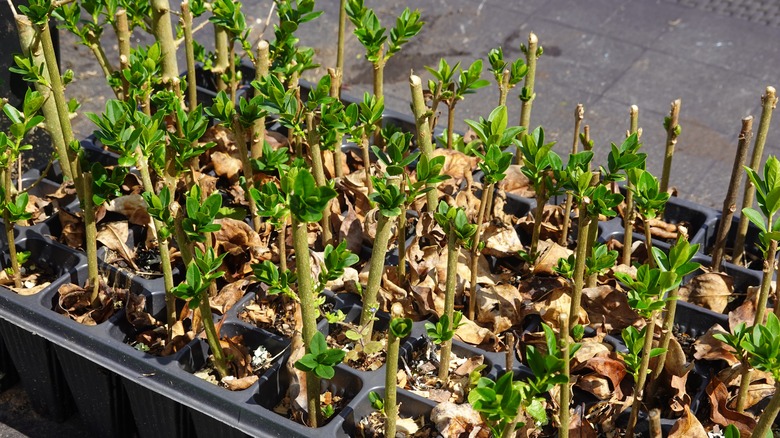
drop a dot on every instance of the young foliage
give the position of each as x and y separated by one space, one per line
454 220
495 130
202 270
374 37
388 197
278 282
443 331
335 260
601 260
517 69
624 158
320 359
768 199
635 340
307 200
201 214
648 198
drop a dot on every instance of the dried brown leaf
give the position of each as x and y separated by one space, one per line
133 207
687 426
226 165
721 414
710 290
114 235
501 240
229 295
709 348
608 306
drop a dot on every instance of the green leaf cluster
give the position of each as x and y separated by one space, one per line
278 282
443 331
201 214
763 346
495 130
454 220
517 69
307 201
768 199
494 164
401 327
624 158
373 36
335 260
648 198
159 208
284 48
320 359
635 341
452 83
201 272
600 260
387 196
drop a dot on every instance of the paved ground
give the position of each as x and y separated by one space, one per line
717 56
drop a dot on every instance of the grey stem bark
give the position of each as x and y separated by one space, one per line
769 102
730 203
671 141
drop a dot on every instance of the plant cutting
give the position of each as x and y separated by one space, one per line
768 104
369 114
678 262
389 200
768 197
579 114
459 231
594 200
446 90
646 296
762 346
507 74
673 130
14 199
504 403
400 328
539 162
730 202
379 50
494 135
397 159
39 13
649 201
527 95
630 214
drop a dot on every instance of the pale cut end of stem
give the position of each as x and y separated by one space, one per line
415 80
397 310
579 112
771 93
532 38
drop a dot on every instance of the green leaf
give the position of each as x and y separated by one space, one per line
755 217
